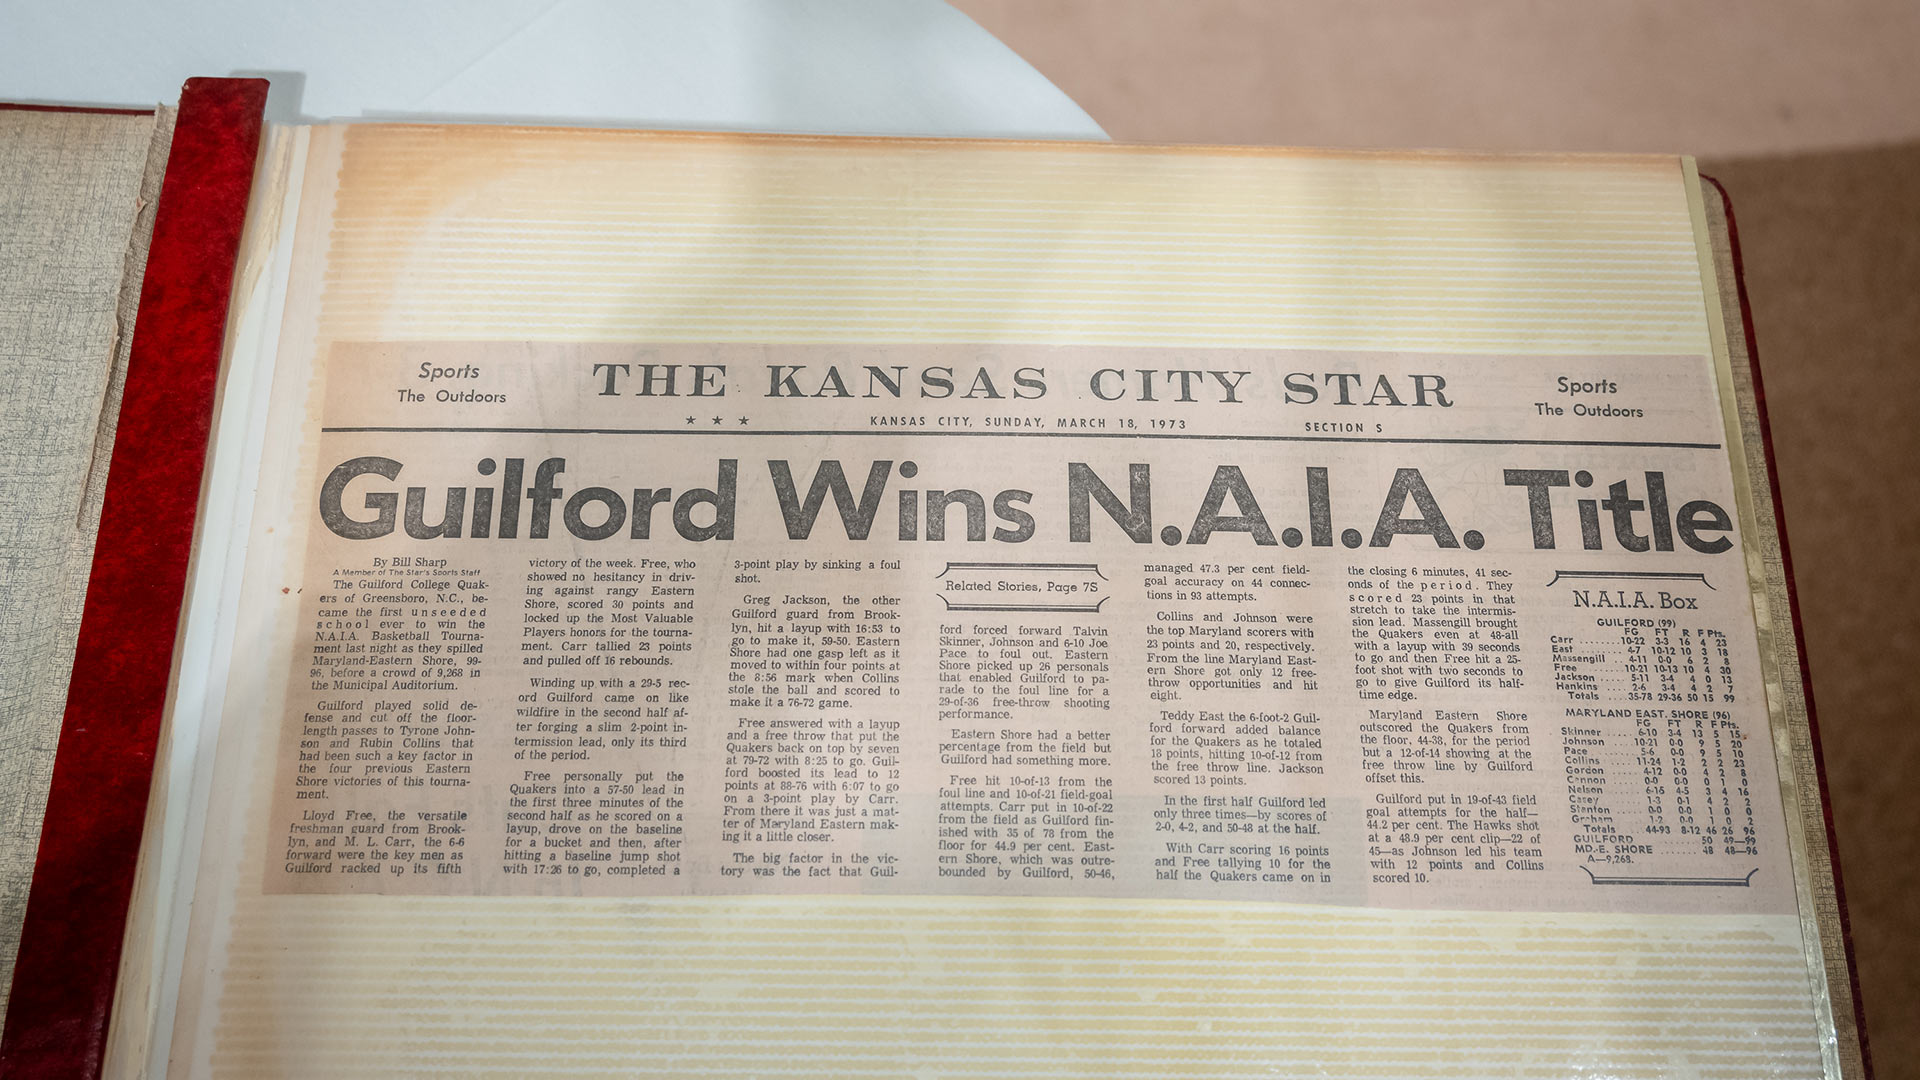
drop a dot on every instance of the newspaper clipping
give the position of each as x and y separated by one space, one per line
1411 631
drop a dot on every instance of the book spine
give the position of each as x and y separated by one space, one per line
71 941
1858 1018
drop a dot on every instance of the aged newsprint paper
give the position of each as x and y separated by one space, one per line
728 605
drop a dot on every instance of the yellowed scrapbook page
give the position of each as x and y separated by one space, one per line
743 606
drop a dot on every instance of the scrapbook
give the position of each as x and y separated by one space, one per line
684 604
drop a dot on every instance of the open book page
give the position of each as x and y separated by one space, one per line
719 605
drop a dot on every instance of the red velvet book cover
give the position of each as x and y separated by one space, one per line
70 945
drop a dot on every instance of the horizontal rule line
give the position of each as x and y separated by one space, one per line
948 433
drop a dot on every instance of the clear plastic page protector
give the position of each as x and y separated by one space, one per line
842 607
